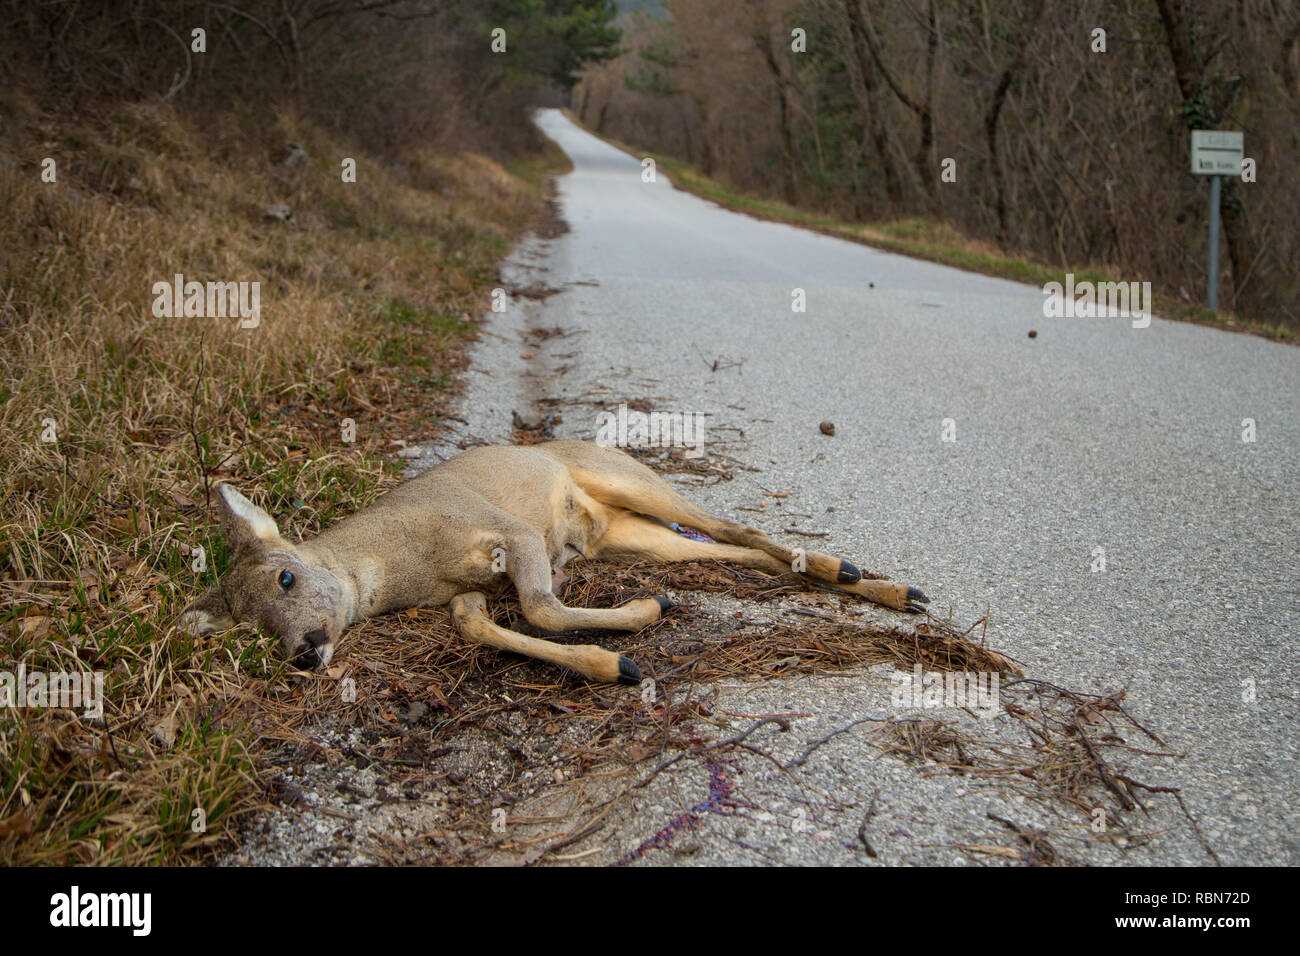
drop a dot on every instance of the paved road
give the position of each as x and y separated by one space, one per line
1091 435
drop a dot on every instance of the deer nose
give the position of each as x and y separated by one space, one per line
307 659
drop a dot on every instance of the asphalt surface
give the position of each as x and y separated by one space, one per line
1091 435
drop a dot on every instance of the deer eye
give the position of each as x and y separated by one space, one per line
286 579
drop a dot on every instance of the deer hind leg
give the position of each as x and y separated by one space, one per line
636 488
469 613
530 570
890 594
617 480
629 485
630 537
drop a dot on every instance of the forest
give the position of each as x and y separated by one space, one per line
1063 127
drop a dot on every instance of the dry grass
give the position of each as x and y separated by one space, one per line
366 296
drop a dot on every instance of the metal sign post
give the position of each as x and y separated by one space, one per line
1215 153
1212 282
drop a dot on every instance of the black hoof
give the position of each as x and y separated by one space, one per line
665 605
848 574
628 673
915 594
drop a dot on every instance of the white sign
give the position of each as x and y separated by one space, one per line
1216 153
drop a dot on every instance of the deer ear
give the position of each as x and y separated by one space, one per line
208 614
243 522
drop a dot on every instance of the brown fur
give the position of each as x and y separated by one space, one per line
470 523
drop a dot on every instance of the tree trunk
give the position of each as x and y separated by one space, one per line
992 119
991 135
926 171
763 40
873 119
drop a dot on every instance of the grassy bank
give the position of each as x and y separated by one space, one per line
117 421
936 241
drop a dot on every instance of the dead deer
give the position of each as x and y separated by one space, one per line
468 524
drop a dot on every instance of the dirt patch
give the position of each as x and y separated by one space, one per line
534 292
552 223
719 465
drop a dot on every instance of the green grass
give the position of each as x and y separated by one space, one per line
416 338
535 170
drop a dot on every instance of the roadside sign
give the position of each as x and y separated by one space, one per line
1216 153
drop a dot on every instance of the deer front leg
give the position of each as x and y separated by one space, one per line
469 612
530 570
